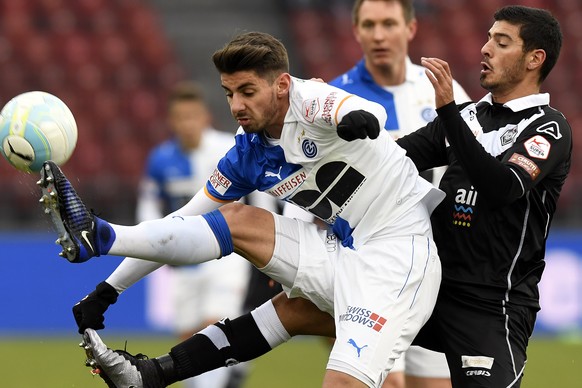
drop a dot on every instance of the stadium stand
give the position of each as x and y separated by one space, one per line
112 64
113 61
453 30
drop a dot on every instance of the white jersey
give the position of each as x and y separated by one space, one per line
359 187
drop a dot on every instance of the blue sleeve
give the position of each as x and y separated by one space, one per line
232 178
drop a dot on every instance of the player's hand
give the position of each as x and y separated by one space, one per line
89 311
358 124
441 78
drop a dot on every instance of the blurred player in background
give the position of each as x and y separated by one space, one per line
386 75
189 298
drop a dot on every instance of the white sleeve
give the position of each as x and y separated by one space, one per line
199 204
353 102
129 272
132 270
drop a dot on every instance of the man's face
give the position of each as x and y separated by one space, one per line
253 100
504 62
383 33
188 119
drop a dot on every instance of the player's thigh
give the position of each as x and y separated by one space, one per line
485 342
383 295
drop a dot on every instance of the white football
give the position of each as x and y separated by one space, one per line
36 127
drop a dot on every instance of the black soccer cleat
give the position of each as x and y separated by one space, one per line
75 225
118 368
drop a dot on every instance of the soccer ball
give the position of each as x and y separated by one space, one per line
36 127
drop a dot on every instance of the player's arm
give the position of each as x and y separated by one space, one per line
426 146
359 119
89 312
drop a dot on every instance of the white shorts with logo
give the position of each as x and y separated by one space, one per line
421 362
380 295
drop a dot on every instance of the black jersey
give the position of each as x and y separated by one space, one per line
507 164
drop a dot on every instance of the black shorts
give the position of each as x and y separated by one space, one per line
484 341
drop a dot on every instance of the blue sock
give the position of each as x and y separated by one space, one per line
105 236
221 231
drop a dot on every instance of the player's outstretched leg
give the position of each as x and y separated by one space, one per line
81 234
118 368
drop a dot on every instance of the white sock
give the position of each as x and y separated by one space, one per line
172 240
270 325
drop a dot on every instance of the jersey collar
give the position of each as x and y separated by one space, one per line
521 103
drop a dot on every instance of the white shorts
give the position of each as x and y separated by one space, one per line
380 295
421 362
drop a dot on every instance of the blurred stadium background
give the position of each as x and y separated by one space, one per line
114 61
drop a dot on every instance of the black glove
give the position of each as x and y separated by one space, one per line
88 312
358 124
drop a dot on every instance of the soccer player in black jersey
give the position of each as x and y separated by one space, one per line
508 155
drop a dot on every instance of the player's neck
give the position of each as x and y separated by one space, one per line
388 75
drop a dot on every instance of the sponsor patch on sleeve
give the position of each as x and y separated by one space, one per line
310 109
538 147
528 165
219 182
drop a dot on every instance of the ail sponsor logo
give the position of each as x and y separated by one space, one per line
363 317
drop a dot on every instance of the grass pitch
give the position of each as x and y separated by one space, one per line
57 362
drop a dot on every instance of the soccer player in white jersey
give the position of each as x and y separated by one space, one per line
321 148
386 75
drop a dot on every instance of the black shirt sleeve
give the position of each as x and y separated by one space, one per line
492 178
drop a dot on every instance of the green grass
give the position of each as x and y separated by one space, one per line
56 362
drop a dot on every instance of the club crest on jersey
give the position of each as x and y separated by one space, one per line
508 136
309 148
552 128
428 114
310 109
538 147
219 182
364 317
465 200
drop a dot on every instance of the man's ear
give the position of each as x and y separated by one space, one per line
283 84
536 59
412 27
